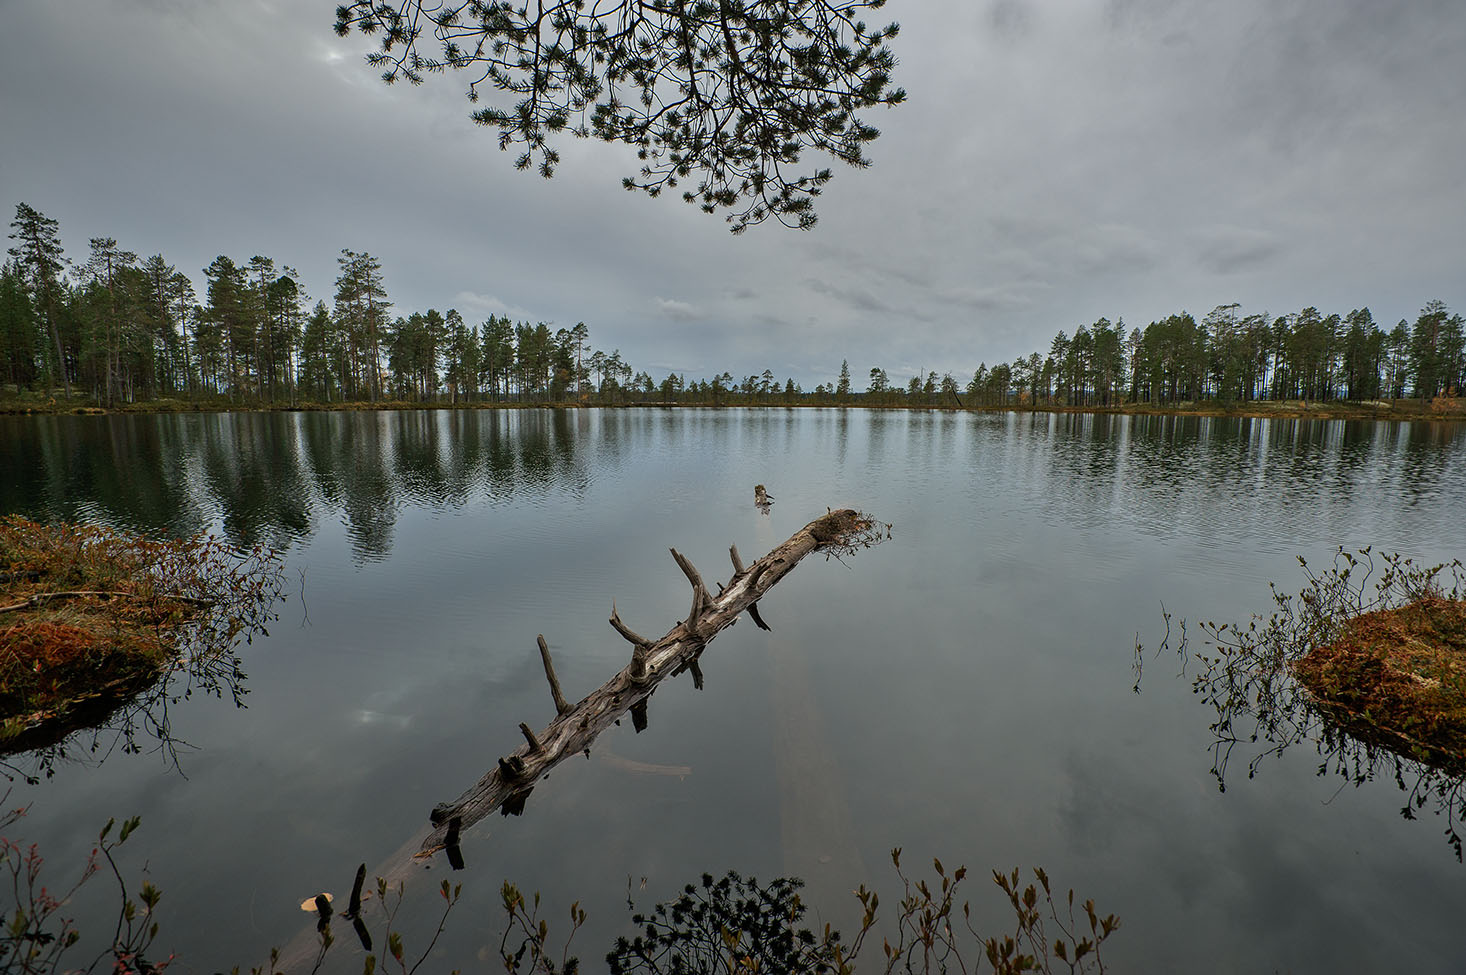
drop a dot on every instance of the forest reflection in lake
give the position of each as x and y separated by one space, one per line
964 691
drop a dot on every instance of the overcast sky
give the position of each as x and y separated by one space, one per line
1056 162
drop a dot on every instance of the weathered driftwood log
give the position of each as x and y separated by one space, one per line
574 728
507 785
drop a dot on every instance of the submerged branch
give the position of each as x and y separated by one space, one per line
46 597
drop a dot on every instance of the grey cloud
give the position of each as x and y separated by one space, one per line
1040 247
1010 17
1108 248
1154 17
677 311
917 277
855 297
1000 297
1309 76
1228 250
473 305
874 263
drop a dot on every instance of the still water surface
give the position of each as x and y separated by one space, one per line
963 690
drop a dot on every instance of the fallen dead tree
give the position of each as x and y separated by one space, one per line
507 785
575 727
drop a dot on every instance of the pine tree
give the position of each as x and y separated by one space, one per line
496 358
580 335
105 267
181 300
223 346
317 355
156 275
462 366
1427 362
751 86
284 323
361 312
38 250
18 336
880 383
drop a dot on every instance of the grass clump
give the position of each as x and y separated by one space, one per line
90 616
49 669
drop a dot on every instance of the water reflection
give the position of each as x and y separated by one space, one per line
272 477
269 477
64 467
250 469
95 732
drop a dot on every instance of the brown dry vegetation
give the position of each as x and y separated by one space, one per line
90 616
1398 675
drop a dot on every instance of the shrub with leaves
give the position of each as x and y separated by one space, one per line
35 935
729 925
736 926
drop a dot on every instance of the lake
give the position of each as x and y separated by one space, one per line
964 690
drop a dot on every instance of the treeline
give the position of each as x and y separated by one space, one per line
121 329
1229 357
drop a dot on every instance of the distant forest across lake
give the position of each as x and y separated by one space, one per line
116 330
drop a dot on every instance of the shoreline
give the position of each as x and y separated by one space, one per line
1400 410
